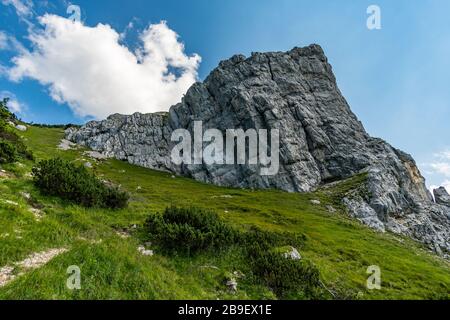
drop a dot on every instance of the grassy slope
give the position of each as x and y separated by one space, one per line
113 269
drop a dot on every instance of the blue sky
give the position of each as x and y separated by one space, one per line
395 79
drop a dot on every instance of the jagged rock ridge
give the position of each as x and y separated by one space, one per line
321 140
441 196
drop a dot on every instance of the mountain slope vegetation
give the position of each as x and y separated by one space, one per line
106 244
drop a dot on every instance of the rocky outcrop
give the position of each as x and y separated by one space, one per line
141 139
441 196
321 140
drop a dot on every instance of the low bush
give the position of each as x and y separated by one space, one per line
57 177
8 152
281 274
268 239
189 230
12 147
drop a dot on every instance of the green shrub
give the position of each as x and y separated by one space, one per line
11 145
57 177
8 152
281 274
268 239
12 141
189 230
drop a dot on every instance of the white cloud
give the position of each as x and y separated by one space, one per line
89 69
3 40
24 8
440 164
441 167
8 42
3 70
443 155
14 104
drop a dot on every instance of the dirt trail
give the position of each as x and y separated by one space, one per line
33 261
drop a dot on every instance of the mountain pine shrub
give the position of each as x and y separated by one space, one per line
8 152
57 177
12 147
281 274
189 230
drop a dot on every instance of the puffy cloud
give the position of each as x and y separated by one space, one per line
23 7
88 67
442 163
14 104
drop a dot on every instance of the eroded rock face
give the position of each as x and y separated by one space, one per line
441 196
141 139
321 140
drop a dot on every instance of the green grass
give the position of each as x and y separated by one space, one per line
112 268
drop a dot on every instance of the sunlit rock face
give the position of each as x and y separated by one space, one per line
321 140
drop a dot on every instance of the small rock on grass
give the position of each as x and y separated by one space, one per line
37 213
123 234
66 145
96 155
232 285
4 174
21 127
144 251
26 195
293 254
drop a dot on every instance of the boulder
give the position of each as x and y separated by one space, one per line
292 254
21 127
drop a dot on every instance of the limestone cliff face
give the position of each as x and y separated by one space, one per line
321 140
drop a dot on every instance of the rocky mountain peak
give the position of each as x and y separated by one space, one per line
321 140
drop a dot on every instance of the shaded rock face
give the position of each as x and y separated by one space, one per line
321 140
441 196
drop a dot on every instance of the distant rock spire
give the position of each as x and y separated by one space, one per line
441 196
